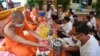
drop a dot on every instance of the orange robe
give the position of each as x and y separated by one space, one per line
28 16
20 49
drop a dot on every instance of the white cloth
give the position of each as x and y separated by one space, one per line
4 4
67 27
93 22
90 48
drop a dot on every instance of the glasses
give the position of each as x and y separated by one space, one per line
75 34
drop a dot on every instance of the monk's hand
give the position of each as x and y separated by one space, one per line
45 47
49 48
42 40
45 44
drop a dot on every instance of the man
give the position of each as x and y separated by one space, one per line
67 27
5 5
19 38
1 7
10 4
92 20
34 13
60 12
70 14
88 46
64 31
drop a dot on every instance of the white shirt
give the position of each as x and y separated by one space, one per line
48 14
4 4
93 22
62 16
67 27
89 24
69 41
90 48
71 18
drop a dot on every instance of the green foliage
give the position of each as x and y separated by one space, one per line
98 8
93 5
65 3
31 3
40 2
98 5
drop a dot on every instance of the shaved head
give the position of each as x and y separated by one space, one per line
17 15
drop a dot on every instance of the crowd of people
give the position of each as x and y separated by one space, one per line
6 4
29 29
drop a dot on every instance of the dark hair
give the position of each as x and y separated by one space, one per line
49 7
91 12
17 15
55 18
70 12
70 9
66 18
83 28
88 18
75 15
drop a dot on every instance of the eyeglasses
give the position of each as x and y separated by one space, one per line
75 34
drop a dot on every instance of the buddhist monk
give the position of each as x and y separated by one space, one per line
19 39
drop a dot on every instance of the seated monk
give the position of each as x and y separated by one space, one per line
40 20
19 39
34 13
28 19
27 13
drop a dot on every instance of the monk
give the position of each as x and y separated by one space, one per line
27 13
34 13
28 19
40 22
19 39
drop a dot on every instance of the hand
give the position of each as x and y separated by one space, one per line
45 44
45 47
43 41
60 29
65 47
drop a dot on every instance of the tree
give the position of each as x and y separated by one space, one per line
98 8
65 3
31 3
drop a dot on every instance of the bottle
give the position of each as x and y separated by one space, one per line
38 52
47 53
57 47
50 37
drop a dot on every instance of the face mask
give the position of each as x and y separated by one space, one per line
19 25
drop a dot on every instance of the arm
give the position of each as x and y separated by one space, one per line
9 32
35 35
68 48
71 49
